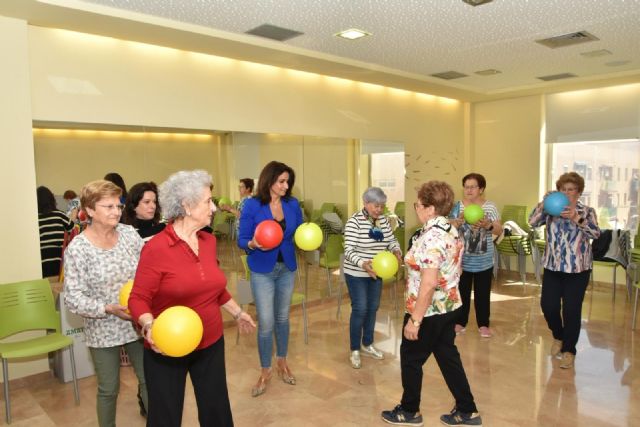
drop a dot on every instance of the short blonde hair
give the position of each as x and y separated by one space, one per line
438 194
570 178
96 190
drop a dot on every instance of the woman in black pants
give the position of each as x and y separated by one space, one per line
567 265
433 266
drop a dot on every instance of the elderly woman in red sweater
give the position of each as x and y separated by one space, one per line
179 267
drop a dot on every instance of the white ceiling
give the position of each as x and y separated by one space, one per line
411 40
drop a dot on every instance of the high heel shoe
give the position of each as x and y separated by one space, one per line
261 385
285 374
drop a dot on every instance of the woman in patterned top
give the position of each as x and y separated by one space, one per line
97 263
434 266
567 265
477 261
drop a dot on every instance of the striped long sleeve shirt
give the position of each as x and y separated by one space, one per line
52 227
359 247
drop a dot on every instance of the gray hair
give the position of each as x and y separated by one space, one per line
374 195
184 187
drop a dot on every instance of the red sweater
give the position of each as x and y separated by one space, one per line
170 273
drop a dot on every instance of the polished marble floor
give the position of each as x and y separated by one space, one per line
514 380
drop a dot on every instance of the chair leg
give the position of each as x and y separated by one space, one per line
339 300
615 267
304 319
328 281
635 311
72 357
5 376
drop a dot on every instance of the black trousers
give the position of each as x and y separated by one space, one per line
480 282
561 303
436 335
166 377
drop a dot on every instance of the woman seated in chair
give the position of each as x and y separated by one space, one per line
567 262
97 263
366 234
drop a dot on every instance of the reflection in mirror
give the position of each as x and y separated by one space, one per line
331 173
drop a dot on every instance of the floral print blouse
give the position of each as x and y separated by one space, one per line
438 246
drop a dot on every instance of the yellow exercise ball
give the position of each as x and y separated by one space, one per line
308 236
125 291
177 331
385 265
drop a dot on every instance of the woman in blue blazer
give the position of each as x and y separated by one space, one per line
272 270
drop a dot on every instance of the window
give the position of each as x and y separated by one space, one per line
613 190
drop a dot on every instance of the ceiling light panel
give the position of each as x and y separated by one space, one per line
352 34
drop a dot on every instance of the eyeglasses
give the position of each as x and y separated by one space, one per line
416 204
112 207
470 187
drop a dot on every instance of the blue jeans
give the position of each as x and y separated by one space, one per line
365 300
272 294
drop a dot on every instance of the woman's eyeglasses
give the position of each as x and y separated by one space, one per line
112 207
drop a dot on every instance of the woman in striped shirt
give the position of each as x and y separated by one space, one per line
52 224
366 233
477 261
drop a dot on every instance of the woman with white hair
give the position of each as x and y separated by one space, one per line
179 266
366 233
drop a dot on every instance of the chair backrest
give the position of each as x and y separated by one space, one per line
517 214
333 248
399 234
245 264
328 207
26 306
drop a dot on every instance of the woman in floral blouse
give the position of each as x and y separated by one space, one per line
434 265
96 264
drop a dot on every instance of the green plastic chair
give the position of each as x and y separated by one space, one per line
28 306
297 298
330 258
632 268
518 246
399 209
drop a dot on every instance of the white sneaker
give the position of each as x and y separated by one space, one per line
355 359
373 352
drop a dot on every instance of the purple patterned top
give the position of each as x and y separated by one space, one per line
568 248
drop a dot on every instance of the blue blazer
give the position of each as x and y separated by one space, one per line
252 214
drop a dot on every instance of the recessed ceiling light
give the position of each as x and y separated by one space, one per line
489 72
352 34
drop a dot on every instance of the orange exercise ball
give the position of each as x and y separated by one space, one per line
385 265
268 234
177 331
308 236
125 291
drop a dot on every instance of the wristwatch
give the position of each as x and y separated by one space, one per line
416 323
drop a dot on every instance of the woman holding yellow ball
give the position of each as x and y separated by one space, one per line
179 267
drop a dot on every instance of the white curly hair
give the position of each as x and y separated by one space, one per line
184 187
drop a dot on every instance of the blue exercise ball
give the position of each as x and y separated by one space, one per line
555 203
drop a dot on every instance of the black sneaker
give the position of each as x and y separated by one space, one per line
400 417
458 418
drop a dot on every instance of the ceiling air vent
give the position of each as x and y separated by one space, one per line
449 75
567 39
476 2
273 32
488 72
557 77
